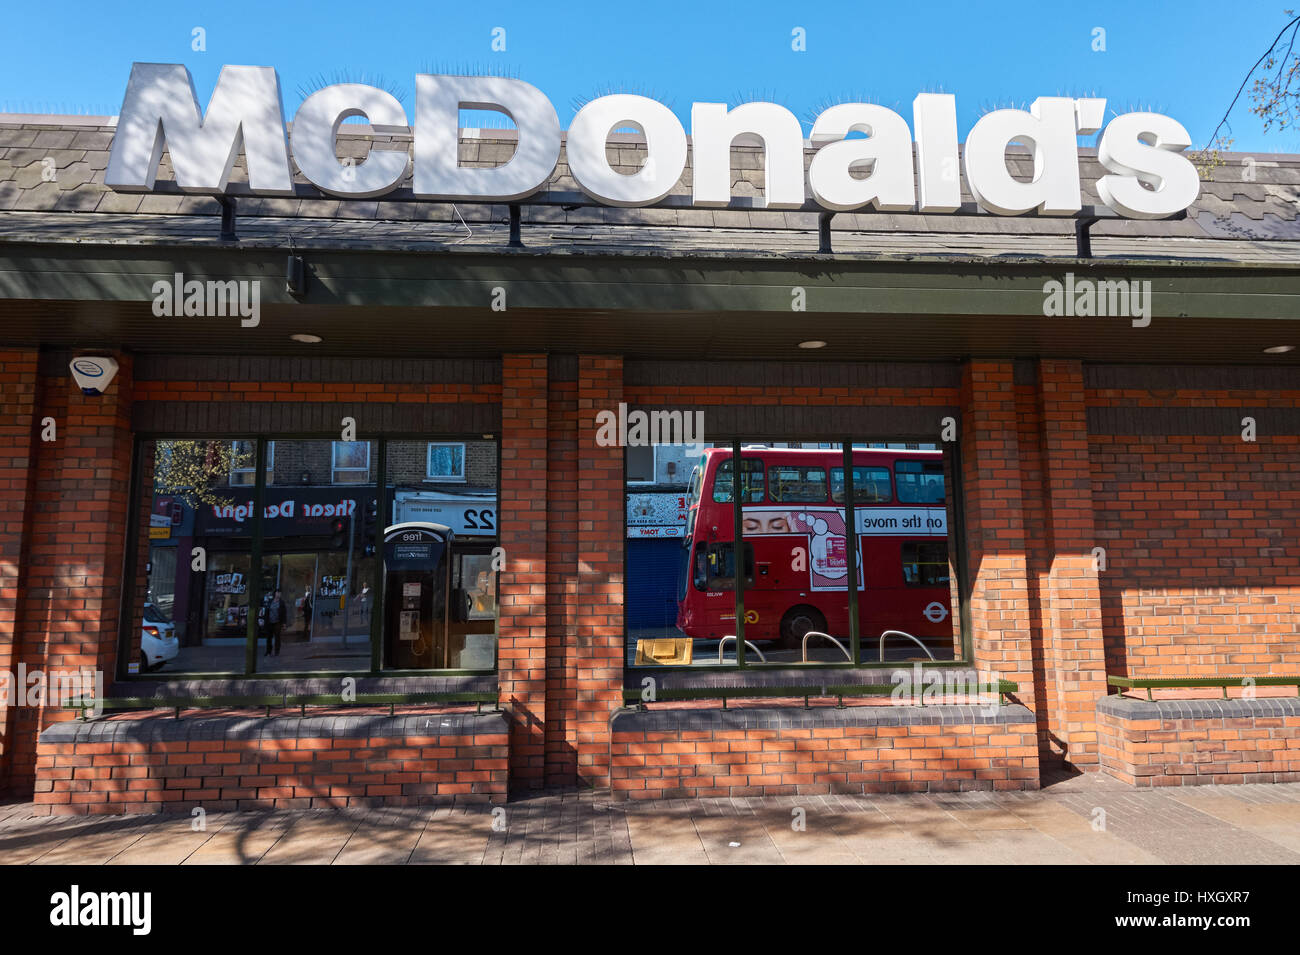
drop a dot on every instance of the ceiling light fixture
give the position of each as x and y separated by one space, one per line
814 343
307 339
1279 349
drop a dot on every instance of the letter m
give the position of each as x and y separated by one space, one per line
161 109
1113 298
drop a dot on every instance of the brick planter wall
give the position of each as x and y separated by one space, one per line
673 753
160 764
1200 742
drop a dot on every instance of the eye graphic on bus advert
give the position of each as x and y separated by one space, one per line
800 560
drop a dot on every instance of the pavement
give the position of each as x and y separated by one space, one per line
1077 820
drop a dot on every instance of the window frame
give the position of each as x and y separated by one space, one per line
889 482
746 487
133 587
462 478
741 446
825 484
917 544
922 470
270 462
335 469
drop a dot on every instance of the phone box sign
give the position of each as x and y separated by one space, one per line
1147 175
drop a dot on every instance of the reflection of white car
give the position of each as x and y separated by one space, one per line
158 642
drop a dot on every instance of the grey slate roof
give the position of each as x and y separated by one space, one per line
1249 211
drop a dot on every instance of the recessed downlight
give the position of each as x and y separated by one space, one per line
813 343
307 339
1279 349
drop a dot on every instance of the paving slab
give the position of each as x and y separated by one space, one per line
316 838
451 837
242 841
1081 820
169 841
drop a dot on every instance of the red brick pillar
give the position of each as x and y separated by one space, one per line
521 652
995 527
71 585
601 508
562 607
1075 662
17 433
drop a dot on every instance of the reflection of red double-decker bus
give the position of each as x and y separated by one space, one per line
795 544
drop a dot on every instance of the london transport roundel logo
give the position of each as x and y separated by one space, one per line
935 612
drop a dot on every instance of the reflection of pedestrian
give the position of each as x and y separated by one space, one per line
364 600
306 613
276 614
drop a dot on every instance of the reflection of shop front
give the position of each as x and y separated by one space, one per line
656 528
470 644
316 552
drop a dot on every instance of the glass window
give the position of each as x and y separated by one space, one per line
440 600
243 461
319 570
715 566
796 484
751 479
351 463
925 563
920 482
801 575
446 462
641 464
693 487
472 635
193 536
870 485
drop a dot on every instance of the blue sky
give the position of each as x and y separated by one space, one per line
1184 59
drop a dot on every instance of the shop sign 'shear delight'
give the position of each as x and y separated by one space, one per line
1147 174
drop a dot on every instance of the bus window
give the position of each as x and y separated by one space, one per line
919 482
925 563
715 566
751 481
795 484
870 485
693 489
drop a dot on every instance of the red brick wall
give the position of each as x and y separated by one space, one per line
683 754
18 433
562 605
1073 659
521 647
230 763
374 392
71 582
1203 571
1203 559
1200 742
601 539
995 530
1038 560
